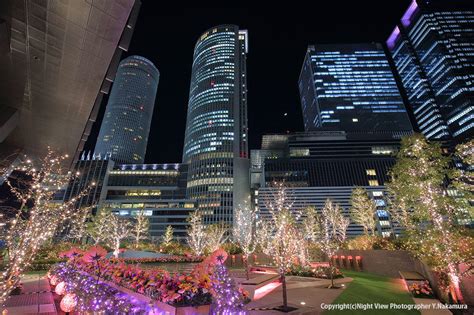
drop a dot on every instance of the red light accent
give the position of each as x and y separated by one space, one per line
141 107
349 257
212 83
342 257
358 257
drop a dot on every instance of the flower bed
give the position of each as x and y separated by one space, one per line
420 289
167 259
322 272
129 289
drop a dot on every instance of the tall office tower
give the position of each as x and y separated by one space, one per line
432 50
126 124
351 87
57 59
215 145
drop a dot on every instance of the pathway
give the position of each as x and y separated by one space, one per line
306 294
36 298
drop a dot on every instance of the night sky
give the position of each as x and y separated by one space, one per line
278 38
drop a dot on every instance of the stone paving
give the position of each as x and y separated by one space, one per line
36 298
303 293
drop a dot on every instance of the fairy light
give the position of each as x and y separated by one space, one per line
333 226
421 205
196 233
26 234
280 237
243 233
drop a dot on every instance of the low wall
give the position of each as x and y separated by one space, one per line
389 263
383 262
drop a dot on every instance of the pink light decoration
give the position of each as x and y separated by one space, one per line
407 17
60 288
262 291
54 280
393 37
68 302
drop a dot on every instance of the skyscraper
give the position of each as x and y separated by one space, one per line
432 50
58 59
351 87
215 145
126 124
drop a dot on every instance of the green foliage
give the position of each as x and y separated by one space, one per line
232 248
322 272
175 248
367 242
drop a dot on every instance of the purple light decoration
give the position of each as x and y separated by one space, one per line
393 37
406 18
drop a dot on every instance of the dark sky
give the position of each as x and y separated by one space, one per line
278 37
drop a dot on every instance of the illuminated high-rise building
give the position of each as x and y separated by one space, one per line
432 49
124 131
351 87
215 146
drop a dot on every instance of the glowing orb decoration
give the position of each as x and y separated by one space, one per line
60 288
68 302
54 280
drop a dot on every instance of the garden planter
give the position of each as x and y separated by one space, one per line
160 306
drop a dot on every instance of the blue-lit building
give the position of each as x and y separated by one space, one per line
215 146
433 51
351 87
124 131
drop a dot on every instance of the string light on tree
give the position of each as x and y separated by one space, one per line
38 218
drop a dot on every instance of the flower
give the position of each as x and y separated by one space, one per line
94 253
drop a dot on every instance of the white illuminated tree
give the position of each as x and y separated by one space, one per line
98 228
279 236
196 233
37 218
215 236
333 226
168 236
243 232
363 210
311 224
140 227
118 230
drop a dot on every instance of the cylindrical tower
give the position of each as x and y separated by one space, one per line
126 124
215 145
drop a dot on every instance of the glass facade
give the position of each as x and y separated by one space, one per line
433 51
350 87
158 189
215 146
124 131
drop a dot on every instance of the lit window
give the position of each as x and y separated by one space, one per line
373 182
371 172
355 120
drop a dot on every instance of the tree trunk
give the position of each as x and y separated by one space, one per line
246 266
117 248
283 287
330 272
